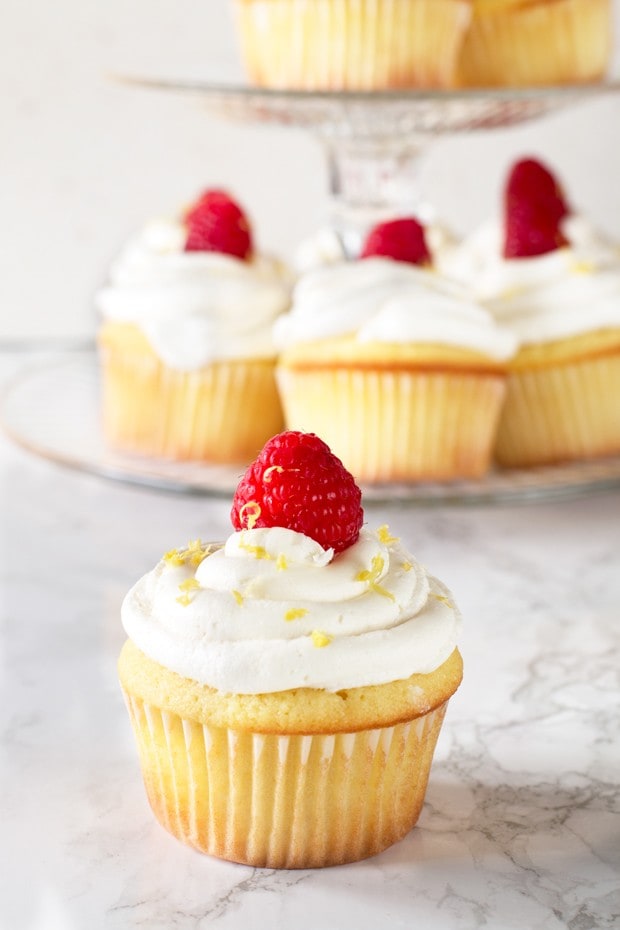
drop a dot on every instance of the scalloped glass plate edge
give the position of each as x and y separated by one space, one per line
51 410
380 113
209 87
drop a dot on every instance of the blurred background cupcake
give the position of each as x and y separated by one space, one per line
515 43
351 44
185 341
545 272
393 364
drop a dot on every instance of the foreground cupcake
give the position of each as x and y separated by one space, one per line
339 45
395 366
186 351
287 688
557 285
517 43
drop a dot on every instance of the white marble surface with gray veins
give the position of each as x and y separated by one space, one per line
521 826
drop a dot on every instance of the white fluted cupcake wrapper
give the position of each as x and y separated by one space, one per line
561 412
398 425
284 801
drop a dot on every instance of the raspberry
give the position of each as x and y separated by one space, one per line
403 240
532 182
217 224
298 483
534 206
530 232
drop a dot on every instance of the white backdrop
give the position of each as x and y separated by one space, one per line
84 160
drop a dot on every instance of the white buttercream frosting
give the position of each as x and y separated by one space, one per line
380 300
567 292
194 307
271 610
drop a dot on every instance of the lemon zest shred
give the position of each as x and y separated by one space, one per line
254 511
193 554
259 552
190 584
372 574
320 639
281 563
174 557
269 471
295 613
444 600
185 600
379 589
406 566
238 596
384 535
583 267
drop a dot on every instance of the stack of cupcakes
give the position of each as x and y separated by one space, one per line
503 349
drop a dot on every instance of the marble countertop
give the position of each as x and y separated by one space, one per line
521 826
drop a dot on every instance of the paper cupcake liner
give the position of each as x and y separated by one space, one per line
224 412
284 801
389 426
565 412
351 44
538 43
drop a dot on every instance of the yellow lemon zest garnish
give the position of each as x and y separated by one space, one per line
190 584
259 552
320 639
238 596
253 509
379 589
371 576
583 267
281 563
444 600
385 536
174 557
406 566
295 613
196 552
269 471
193 553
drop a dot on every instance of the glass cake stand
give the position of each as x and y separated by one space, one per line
51 409
373 142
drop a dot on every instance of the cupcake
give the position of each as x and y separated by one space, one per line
345 45
287 688
516 43
187 357
556 284
399 371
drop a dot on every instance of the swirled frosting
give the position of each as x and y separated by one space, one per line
271 610
194 307
380 300
572 290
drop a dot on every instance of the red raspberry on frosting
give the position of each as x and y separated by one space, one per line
402 240
534 207
216 223
532 182
298 483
